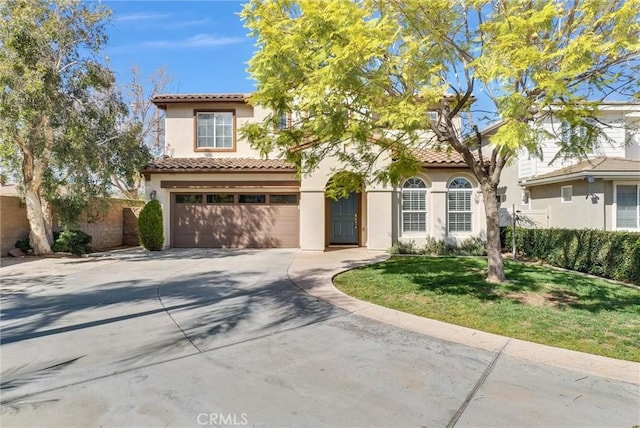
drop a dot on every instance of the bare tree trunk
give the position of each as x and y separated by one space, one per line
47 213
38 236
495 272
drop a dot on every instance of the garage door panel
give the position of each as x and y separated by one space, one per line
235 226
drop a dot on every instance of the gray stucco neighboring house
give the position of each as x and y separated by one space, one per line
599 193
602 192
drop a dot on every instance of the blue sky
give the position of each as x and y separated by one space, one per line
202 44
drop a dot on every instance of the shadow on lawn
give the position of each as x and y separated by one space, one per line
466 276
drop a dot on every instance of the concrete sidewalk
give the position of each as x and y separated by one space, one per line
313 272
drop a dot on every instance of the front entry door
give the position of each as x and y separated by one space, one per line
344 220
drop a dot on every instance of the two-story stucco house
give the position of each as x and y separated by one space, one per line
602 192
216 191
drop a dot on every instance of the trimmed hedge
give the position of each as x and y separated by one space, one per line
614 255
150 229
72 241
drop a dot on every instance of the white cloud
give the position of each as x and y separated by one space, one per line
197 41
183 24
141 16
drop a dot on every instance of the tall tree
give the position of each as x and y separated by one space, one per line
145 122
61 116
366 72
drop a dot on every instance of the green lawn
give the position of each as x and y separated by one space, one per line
538 304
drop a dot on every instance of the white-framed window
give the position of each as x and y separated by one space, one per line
214 130
566 194
283 120
460 205
501 198
627 206
414 205
526 198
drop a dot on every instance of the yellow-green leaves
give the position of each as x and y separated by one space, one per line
358 69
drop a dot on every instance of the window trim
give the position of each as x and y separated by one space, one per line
425 211
287 119
562 198
297 195
233 195
614 206
214 149
470 211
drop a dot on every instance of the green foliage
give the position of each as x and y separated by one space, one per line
403 247
24 245
72 241
62 132
70 208
360 76
150 228
614 255
435 247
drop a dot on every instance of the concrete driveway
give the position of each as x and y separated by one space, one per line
225 338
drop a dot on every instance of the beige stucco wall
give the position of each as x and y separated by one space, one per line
376 209
180 122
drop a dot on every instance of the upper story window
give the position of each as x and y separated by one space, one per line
214 130
283 120
459 205
414 205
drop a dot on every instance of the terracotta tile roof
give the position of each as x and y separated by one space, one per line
161 99
429 156
216 164
435 158
600 164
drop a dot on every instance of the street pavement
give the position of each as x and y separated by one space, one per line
242 338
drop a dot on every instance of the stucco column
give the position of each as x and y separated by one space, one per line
312 221
438 214
379 219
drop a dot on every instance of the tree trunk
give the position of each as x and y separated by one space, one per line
38 236
495 272
47 213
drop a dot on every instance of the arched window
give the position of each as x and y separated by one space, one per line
459 206
414 205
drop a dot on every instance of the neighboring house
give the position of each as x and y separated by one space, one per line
216 191
602 192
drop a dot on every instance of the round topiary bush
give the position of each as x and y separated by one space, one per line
150 230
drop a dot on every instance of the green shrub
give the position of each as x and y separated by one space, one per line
150 228
614 255
403 247
472 247
436 247
72 241
24 245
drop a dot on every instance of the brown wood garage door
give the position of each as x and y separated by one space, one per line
235 220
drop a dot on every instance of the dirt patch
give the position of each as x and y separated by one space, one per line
553 298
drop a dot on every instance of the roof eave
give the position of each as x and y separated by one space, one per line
212 170
577 176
